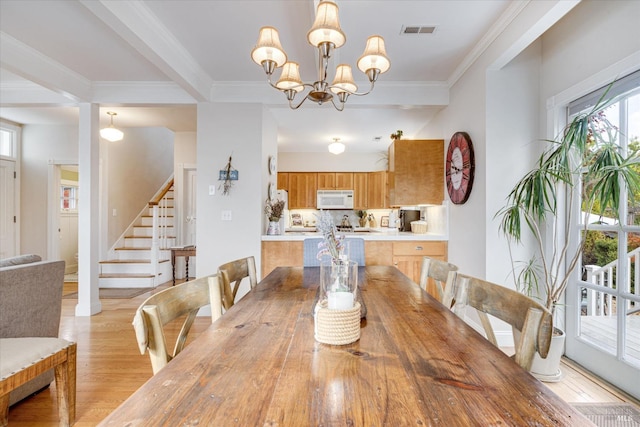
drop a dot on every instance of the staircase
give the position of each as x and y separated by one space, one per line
142 257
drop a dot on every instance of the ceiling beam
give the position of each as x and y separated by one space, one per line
140 28
32 65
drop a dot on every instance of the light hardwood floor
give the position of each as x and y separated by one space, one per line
110 367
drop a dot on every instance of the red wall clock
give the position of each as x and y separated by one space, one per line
460 167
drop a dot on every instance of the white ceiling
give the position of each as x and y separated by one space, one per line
151 61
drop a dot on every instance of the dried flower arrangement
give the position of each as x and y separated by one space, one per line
274 209
332 244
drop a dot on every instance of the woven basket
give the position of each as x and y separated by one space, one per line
419 227
337 327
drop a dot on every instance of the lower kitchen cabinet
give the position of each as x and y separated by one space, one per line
378 252
281 253
407 257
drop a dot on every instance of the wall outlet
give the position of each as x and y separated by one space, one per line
226 215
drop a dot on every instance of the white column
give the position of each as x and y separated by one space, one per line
88 211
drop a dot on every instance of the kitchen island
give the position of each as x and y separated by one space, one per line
403 250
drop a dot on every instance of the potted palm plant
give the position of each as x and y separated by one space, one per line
586 158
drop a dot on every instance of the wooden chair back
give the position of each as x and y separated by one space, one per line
434 274
231 275
524 314
168 305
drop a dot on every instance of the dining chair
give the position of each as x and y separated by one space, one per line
169 305
231 275
524 314
438 271
310 251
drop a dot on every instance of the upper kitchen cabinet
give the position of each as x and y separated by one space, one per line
377 190
335 181
302 190
360 185
283 181
416 172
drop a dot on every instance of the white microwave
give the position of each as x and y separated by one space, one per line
335 199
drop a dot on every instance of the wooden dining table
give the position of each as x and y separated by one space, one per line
416 363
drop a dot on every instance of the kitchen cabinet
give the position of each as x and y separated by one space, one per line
335 180
377 191
282 253
407 257
378 252
416 172
302 190
283 181
360 185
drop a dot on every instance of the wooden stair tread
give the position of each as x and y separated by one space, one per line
146 237
126 261
127 275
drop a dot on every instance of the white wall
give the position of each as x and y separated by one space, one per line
327 162
40 144
137 168
248 134
512 146
185 148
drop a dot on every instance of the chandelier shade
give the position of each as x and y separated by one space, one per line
111 133
326 27
343 82
269 48
290 77
375 56
326 35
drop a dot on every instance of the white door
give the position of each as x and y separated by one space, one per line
603 306
7 209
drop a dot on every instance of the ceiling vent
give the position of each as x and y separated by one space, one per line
418 29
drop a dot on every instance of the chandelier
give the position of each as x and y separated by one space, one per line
326 35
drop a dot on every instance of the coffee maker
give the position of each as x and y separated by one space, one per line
406 216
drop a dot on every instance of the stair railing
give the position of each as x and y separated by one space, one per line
159 239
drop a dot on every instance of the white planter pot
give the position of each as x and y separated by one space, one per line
548 369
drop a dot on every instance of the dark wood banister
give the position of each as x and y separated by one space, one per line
161 194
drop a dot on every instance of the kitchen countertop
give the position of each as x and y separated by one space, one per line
371 234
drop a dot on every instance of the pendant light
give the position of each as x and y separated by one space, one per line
336 147
111 133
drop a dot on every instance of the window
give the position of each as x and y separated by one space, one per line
68 198
7 143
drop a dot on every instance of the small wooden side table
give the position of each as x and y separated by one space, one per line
186 252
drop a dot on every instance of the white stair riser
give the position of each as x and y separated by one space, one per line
133 268
148 221
140 231
133 254
145 242
164 275
135 282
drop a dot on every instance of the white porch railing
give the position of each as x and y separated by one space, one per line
597 303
